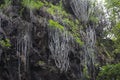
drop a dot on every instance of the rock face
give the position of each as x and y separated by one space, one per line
29 56
32 50
39 62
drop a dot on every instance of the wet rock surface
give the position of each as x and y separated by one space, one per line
41 64
39 52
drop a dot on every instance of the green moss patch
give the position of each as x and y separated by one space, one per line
31 4
55 24
5 4
5 43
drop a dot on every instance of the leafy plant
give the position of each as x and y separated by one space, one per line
109 72
116 37
5 43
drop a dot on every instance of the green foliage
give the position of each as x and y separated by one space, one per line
112 3
116 39
78 40
5 43
5 4
59 12
85 72
105 50
55 24
94 19
109 72
74 28
116 30
56 10
74 25
41 63
32 4
114 8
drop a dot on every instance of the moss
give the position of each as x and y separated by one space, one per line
78 40
85 72
55 24
94 19
41 63
5 43
56 10
74 25
59 12
5 4
31 4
